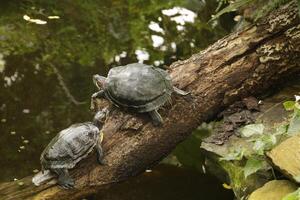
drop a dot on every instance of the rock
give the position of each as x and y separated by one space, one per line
251 103
286 156
274 190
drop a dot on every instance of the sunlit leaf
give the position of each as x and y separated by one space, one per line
264 143
282 129
293 196
259 147
231 7
26 17
252 166
294 127
37 21
289 105
2 63
252 129
297 105
237 154
268 7
53 17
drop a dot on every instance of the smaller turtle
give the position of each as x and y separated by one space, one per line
137 87
72 145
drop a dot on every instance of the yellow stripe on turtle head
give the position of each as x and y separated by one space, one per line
101 136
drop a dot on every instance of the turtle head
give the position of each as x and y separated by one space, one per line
99 81
100 117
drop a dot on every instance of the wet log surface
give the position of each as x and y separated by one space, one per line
244 63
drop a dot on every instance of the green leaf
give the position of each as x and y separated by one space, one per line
293 196
252 166
237 154
259 147
252 129
230 8
289 105
297 105
282 129
294 127
266 142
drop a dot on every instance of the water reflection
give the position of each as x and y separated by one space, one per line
167 182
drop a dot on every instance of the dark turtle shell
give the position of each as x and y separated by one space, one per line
70 146
138 86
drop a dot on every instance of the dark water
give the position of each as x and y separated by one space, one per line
168 182
46 70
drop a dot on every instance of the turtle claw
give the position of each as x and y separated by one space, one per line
66 183
180 92
156 123
64 180
102 162
189 97
67 187
192 99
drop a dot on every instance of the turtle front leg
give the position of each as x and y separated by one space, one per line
95 96
64 179
180 92
186 95
157 119
100 154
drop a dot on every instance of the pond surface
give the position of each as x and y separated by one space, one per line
48 54
168 182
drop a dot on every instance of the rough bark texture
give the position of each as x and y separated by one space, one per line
243 63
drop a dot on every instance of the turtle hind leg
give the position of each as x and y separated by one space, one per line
64 179
180 92
156 118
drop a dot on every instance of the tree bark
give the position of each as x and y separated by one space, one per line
248 62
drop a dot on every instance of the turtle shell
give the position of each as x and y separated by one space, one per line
138 86
70 146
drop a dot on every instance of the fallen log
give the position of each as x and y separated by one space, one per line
248 62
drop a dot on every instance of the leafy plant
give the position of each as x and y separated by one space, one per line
252 129
253 165
293 196
236 154
231 7
294 125
266 8
264 143
289 105
262 7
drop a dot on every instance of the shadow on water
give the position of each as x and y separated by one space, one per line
85 38
167 182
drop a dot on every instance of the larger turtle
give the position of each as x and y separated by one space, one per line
138 87
72 145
